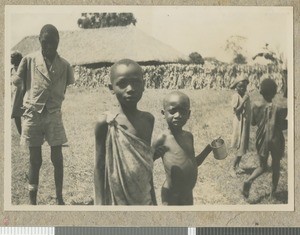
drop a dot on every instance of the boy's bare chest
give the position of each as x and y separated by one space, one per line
139 127
180 146
179 154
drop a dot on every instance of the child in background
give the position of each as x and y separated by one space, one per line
270 121
241 120
176 147
124 157
17 99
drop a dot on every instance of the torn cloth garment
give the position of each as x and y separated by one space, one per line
269 137
128 170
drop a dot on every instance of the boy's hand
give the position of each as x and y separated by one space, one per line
159 148
160 151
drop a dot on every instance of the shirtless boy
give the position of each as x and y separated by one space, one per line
124 158
176 147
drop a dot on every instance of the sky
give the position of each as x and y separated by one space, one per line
185 28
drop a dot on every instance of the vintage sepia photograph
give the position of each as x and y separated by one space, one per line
161 108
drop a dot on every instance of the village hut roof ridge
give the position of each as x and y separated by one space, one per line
106 45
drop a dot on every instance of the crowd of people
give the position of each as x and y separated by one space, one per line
188 76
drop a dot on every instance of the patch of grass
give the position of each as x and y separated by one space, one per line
211 117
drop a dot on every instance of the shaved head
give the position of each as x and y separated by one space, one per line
123 65
268 87
176 96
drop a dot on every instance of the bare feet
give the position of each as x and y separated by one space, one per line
246 189
239 170
32 197
232 173
60 201
272 196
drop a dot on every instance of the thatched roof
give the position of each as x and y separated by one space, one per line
106 45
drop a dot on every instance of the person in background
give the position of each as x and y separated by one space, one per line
270 120
241 120
18 92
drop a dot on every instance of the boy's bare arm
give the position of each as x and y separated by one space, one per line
159 148
282 114
203 155
160 140
99 168
191 144
153 196
151 120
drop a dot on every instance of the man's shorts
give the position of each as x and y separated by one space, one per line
38 127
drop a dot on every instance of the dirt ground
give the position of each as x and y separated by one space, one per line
211 117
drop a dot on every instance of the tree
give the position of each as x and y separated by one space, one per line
235 46
276 59
196 58
103 20
269 55
239 59
84 23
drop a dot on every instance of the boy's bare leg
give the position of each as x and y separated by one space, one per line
186 198
275 174
57 160
177 185
35 163
154 201
236 165
18 124
236 161
169 197
189 198
256 173
165 196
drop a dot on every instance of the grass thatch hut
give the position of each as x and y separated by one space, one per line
93 47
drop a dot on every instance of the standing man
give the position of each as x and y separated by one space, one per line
46 76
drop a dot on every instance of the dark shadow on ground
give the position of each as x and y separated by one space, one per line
282 196
279 198
85 203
